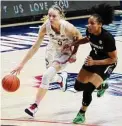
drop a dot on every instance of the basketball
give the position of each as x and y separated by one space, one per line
10 83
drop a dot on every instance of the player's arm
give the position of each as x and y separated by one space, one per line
112 59
110 49
83 40
36 45
31 51
79 39
75 34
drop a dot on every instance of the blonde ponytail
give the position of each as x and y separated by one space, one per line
44 18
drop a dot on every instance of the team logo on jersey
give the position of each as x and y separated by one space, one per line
114 82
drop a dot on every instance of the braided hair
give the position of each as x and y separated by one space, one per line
104 13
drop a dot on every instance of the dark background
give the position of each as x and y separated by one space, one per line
27 11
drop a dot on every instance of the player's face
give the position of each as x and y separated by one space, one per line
93 26
54 16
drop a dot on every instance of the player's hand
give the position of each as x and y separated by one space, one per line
67 46
89 61
17 69
72 59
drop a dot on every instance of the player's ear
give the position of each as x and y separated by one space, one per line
100 24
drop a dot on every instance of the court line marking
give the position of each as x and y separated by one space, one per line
44 121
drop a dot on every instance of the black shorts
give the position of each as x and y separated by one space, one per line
104 71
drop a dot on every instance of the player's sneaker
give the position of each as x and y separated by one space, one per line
101 91
63 84
80 118
31 110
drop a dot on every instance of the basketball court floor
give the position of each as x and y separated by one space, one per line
57 108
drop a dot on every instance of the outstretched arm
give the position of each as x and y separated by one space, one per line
78 38
80 41
32 50
36 46
75 50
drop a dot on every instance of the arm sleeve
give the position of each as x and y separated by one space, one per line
110 44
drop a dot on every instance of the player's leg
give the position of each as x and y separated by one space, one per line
62 59
88 81
46 79
60 78
105 73
87 98
82 79
102 88
94 81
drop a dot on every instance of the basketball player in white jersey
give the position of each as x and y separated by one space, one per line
60 33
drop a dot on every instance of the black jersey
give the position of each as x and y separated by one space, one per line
101 44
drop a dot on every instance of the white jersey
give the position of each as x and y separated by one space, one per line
56 44
57 41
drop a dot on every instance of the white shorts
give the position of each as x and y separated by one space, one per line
52 56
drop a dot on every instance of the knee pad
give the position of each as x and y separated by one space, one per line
79 86
47 77
87 94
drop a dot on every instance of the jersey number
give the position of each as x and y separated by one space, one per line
95 50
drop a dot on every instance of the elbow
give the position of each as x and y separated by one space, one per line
115 59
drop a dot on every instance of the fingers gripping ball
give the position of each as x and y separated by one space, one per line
10 83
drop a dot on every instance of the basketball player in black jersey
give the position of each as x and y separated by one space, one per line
102 59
